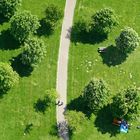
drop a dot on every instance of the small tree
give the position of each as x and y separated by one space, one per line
104 20
9 7
8 78
127 41
126 103
53 13
33 53
75 120
51 96
23 24
96 95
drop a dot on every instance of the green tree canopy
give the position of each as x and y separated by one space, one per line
127 41
8 77
75 120
9 7
104 20
96 94
23 24
126 103
34 52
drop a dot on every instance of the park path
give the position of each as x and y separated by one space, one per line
62 68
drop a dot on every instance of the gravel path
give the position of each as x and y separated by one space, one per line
62 68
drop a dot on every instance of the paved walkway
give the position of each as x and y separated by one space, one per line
62 69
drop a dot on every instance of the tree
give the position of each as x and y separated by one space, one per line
104 20
53 14
126 103
9 7
75 120
23 24
96 95
33 53
8 77
51 96
127 41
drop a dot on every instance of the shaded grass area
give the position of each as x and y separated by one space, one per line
18 115
85 63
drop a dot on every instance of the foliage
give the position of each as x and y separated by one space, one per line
96 95
75 120
128 40
104 20
126 103
53 13
51 96
23 24
9 7
8 78
34 52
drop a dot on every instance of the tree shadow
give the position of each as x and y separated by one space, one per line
3 19
112 56
7 41
41 105
45 28
21 69
84 36
104 120
28 128
79 104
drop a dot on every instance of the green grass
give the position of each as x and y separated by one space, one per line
17 106
117 76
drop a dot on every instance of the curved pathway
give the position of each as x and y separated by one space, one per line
62 67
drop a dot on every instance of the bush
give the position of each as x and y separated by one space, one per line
53 13
9 7
75 120
8 78
33 53
126 103
96 95
104 20
127 41
23 24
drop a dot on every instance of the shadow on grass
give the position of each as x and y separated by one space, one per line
28 129
83 36
78 104
103 122
41 105
21 69
44 29
112 56
3 19
7 41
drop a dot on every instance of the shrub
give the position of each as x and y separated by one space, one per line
8 78
9 7
23 24
104 20
75 120
33 53
127 41
96 95
53 13
126 103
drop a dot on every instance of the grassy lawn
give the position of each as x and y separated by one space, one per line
17 107
85 62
